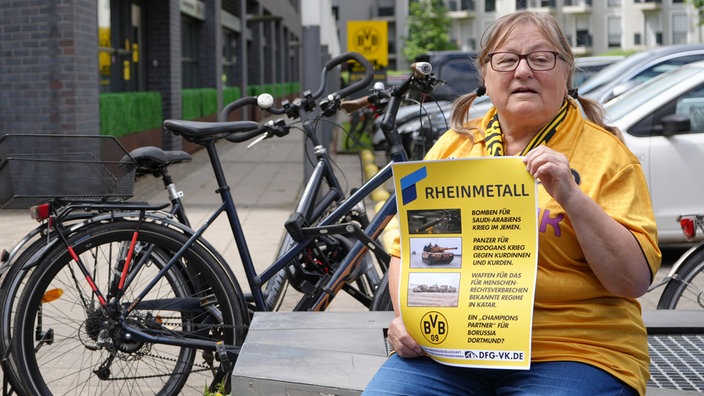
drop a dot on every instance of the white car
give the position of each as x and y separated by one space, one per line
637 68
663 124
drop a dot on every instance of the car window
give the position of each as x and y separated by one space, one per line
461 72
612 72
666 66
690 104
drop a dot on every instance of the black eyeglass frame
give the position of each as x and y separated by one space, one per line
555 54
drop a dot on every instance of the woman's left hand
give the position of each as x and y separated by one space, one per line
553 171
610 249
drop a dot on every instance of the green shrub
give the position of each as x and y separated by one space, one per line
230 94
198 102
129 112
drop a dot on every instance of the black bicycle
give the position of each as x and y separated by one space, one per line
139 302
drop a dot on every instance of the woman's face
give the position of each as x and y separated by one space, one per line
530 95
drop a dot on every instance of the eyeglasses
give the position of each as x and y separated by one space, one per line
537 61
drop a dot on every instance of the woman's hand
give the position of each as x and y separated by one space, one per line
610 249
401 341
553 171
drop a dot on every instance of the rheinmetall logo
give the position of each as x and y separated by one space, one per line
409 193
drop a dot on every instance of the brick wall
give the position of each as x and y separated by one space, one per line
48 67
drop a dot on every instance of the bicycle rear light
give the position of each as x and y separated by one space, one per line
689 228
40 212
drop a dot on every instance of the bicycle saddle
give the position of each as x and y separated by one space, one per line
151 160
197 130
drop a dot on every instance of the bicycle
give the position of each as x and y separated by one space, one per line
148 161
684 283
206 309
365 279
145 157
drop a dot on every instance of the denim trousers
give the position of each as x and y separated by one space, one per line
423 376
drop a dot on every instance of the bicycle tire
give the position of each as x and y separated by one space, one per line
105 361
20 267
12 282
685 291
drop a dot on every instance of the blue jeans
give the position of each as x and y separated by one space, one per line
423 376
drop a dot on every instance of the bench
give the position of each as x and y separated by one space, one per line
337 353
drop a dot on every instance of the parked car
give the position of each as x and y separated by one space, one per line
663 124
623 75
456 68
588 65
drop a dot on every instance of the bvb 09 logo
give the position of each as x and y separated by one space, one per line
434 327
368 40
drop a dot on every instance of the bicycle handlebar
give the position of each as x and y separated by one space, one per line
307 102
357 85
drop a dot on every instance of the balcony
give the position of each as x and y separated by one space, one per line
536 5
577 7
461 9
647 5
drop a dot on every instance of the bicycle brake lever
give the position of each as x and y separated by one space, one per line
258 140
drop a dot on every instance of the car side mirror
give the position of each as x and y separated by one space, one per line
674 124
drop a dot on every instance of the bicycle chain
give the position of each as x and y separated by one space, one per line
203 367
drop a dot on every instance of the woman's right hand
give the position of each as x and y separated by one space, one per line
401 341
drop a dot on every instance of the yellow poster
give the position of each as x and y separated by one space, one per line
469 246
371 39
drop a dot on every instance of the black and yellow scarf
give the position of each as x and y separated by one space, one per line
494 138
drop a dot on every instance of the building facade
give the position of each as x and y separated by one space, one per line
62 63
593 26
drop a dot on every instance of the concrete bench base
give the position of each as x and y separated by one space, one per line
337 353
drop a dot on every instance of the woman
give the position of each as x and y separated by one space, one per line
597 251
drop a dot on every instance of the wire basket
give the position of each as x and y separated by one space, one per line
36 168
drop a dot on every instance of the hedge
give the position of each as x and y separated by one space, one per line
128 112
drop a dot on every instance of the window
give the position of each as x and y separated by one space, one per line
584 39
690 104
189 52
679 28
666 66
614 32
490 5
229 57
119 45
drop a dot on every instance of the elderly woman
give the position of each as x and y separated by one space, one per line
597 255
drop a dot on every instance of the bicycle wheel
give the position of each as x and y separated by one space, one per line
13 280
685 291
67 343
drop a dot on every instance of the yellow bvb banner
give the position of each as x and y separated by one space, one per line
371 39
469 245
